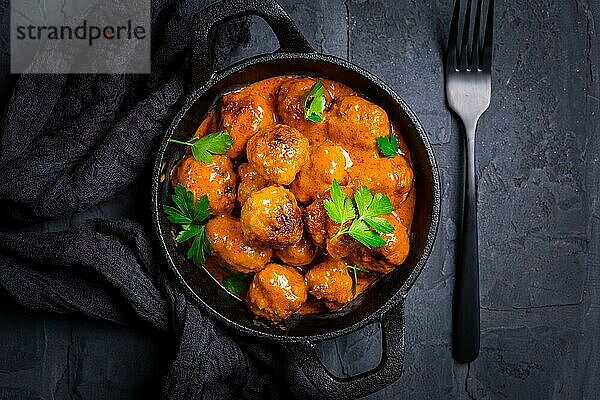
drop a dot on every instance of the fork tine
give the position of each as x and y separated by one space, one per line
451 53
476 48
486 62
464 48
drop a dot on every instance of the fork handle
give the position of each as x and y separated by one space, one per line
466 343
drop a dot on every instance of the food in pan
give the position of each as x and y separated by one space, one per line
296 193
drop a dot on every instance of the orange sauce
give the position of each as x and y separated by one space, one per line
349 122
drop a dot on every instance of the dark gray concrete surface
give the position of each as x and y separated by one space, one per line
538 162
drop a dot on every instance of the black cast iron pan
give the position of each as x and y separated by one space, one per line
384 302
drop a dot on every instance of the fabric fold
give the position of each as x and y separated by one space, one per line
72 142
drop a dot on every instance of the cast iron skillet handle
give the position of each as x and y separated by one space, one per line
387 372
289 37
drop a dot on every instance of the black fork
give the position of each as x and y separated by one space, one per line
468 92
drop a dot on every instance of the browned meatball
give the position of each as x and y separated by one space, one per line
271 216
343 245
299 254
364 281
216 179
328 161
276 292
390 176
384 259
331 282
243 113
277 153
397 243
315 220
290 109
250 182
230 247
312 306
354 121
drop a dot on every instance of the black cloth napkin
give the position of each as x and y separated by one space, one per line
69 142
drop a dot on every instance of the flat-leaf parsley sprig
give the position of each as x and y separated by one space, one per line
388 145
313 102
203 148
189 216
369 224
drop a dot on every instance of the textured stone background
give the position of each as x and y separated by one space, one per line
539 185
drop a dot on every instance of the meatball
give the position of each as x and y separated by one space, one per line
277 153
385 258
315 220
343 245
290 109
209 124
328 161
250 182
321 229
271 216
397 243
299 254
276 292
216 179
331 282
243 113
390 176
230 247
354 121
364 281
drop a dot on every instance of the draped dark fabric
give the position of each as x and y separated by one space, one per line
70 142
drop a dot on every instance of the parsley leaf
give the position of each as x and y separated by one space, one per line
199 248
388 145
234 285
369 224
184 213
202 210
363 199
360 231
313 102
188 232
354 269
380 224
381 205
189 215
176 216
339 208
203 148
370 208
235 282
